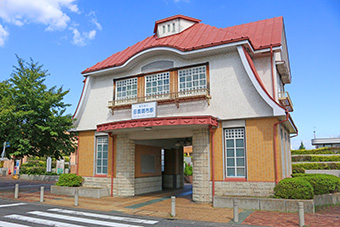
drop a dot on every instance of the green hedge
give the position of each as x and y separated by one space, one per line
314 158
321 183
323 150
294 188
317 165
298 170
187 170
69 180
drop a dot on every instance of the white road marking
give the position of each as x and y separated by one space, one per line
117 218
12 204
7 224
84 220
40 221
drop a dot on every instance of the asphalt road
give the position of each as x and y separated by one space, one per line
22 214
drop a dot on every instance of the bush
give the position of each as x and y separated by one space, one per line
317 165
298 170
187 170
69 180
316 158
294 188
323 150
323 183
36 170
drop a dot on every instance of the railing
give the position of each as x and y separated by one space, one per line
285 100
163 98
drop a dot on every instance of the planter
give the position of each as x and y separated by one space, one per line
49 178
83 191
188 179
285 205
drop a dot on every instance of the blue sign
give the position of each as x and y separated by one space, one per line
7 144
144 110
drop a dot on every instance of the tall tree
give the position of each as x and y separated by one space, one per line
32 116
302 147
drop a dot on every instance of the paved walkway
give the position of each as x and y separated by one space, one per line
158 205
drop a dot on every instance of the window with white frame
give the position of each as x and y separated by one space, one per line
126 89
157 85
192 79
102 154
235 152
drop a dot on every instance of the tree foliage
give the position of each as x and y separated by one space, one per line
32 116
302 147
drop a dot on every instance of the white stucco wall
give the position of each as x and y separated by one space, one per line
233 94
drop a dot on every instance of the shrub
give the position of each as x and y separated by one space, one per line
317 165
187 170
322 183
294 188
35 170
298 170
69 180
323 150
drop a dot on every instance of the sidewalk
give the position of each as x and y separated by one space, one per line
158 205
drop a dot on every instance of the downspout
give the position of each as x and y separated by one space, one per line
274 142
272 67
213 162
112 161
77 153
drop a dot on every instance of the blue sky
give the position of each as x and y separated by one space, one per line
67 36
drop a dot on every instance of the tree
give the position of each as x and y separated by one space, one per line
32 117
302 147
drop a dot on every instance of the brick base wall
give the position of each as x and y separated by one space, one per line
148 184
261 189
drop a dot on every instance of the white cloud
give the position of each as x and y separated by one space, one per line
54 14
93 19
3 35
47 12
81 39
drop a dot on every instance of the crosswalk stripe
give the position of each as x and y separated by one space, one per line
7 224
40 221
84 220
135 220
12 204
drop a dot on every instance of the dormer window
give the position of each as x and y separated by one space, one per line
173 25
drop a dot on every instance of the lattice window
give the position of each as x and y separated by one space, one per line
157 86
235 152
192 79
102 154
126 89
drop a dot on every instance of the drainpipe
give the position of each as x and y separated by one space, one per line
77 153
272 66
274 141
213 161
112 161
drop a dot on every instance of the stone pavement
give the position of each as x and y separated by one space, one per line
158 205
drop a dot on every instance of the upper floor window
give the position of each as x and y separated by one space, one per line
157 84
192 79
126 89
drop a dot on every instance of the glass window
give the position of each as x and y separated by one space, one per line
102 155
192 80
126 89
157 86
235 152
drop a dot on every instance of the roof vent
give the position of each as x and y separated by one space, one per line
173 25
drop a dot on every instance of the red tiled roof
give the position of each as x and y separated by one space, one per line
261 34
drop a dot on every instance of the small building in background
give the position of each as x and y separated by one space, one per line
326 142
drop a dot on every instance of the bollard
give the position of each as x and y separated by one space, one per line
301 214
16 191
76 198
235 207
173 206
41 194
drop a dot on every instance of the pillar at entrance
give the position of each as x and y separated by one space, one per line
201 174
125 167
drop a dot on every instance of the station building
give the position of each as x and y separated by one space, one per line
221 90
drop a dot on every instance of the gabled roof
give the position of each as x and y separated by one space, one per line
175 17
261 34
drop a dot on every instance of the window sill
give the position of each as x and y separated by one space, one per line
235 179
100 175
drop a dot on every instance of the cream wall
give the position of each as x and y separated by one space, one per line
230 86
